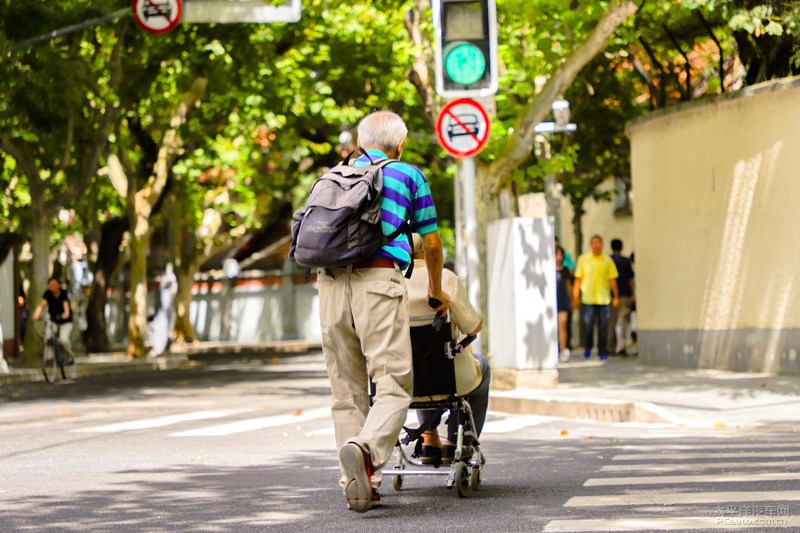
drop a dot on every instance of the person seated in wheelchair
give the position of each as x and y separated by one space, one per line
472 372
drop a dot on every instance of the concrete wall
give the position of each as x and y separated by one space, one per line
600 218
260 310
718 262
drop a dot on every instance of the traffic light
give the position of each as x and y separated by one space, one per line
466 47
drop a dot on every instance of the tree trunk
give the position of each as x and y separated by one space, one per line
108 263
139 246
184 332
40 250
577 219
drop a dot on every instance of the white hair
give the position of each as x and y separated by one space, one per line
381 128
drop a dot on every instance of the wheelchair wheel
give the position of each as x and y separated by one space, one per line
475 478
397 483
461 480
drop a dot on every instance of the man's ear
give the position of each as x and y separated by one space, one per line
400 148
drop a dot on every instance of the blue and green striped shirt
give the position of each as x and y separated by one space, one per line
406 195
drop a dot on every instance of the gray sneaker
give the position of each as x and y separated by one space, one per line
356 464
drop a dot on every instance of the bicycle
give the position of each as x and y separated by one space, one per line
54 356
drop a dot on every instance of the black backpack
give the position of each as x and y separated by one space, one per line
341 223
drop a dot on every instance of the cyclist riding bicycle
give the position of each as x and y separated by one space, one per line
60 312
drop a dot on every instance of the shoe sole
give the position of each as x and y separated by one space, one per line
357 489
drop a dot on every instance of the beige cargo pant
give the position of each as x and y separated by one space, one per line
365 333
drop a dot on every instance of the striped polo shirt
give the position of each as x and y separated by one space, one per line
406 195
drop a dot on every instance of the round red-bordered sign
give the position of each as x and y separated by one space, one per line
157 16
463 127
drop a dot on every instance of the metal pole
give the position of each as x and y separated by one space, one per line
460 261
470 215
71 29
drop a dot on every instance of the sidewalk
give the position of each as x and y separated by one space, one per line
622 390
117 362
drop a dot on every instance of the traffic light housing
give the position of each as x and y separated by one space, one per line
466 47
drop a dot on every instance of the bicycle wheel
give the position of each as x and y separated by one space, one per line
49 362
67 370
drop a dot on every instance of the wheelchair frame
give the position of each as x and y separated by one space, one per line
461 474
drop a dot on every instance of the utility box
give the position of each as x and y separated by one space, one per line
523 317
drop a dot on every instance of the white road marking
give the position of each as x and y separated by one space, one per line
161 421
713 445
255 424
710 455
673 523
510 424
669 467
676 498
712 478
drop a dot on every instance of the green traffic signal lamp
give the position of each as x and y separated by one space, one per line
464 63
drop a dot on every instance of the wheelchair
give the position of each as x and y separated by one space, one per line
434 350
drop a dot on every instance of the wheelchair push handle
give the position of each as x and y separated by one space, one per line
438 320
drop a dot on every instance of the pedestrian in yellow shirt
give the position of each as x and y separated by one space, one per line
595 282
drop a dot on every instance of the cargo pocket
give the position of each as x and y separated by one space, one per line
387 288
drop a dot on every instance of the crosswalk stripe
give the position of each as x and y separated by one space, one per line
516 423
254 424
696 466
673 523
709 446
161 421
716 478
710 455
676 498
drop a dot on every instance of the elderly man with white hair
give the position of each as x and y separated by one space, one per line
364 318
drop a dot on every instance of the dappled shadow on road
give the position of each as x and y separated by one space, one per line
300 493
302 375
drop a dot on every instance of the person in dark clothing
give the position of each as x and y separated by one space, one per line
60 311
563 292
620 319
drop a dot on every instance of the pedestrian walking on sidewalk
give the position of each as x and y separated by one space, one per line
563 301
365 322
620 321
595 288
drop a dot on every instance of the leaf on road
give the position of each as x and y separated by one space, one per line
564 432
298 412
719 425
64 411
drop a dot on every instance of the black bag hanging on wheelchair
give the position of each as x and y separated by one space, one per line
434 369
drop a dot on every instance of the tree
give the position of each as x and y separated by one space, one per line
56 137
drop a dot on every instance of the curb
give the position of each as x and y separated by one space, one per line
103 365
606 410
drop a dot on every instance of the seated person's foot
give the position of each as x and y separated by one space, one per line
449 452
431 454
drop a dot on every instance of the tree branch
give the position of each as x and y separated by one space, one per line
420 72
170 144
520 143
25 161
